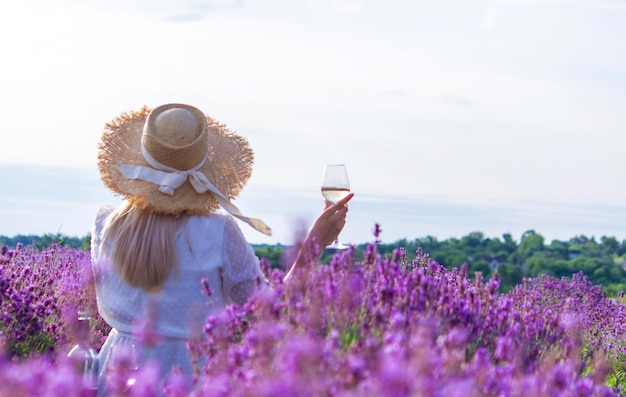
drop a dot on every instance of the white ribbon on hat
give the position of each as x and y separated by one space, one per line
169 179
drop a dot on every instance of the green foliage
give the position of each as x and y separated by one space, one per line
37 344
601 260
350 336
617 377
46 240
272 253
510 276
531 257
531 244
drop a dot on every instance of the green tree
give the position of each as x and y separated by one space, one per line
558 250
479 266
509 276
610 245
269 252
509 244
495 246
536 266
473 240
531 244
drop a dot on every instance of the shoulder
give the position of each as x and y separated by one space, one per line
220 224
213 226
102 214
211 220
105 210
96 232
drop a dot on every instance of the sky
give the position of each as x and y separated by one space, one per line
497 116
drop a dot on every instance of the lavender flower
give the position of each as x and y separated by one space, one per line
374 327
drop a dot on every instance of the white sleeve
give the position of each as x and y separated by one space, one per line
241 272
96 232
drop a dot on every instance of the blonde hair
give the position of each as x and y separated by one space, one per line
144 246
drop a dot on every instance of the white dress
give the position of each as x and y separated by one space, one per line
210 247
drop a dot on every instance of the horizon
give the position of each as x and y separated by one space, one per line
288 211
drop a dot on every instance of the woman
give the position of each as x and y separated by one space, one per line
175 167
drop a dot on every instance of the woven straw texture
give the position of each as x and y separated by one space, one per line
228 167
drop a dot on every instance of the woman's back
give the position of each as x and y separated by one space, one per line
210 248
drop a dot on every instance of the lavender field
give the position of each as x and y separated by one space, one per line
380 326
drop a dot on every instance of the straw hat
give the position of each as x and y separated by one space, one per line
174 159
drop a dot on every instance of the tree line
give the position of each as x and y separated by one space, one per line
45 240
602 261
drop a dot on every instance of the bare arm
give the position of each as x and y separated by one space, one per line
324 231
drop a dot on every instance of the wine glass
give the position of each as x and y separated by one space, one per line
122 367
335 186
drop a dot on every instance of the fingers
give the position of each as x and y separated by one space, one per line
344 200
339 203
335 212
338 217
340 208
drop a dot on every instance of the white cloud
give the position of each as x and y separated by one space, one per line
563 95
342 7
490 19
346 7
455 99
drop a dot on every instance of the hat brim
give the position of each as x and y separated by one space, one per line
228 167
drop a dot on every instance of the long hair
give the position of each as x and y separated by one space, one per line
144 246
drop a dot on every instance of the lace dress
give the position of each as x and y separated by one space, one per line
210 247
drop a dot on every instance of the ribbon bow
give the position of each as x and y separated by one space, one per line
169 179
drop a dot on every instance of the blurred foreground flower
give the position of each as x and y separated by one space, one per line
376 327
